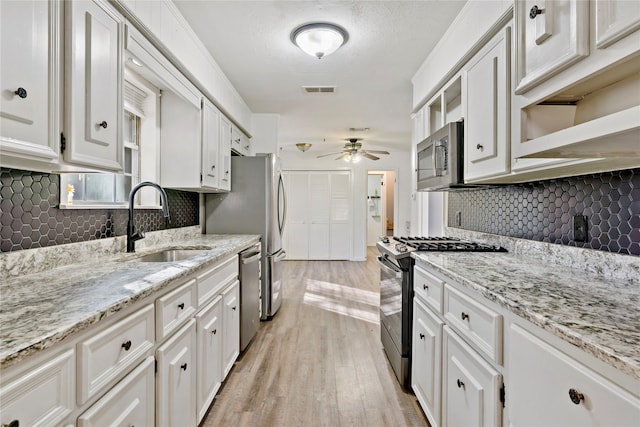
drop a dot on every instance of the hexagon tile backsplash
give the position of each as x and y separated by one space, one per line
544 210
30 216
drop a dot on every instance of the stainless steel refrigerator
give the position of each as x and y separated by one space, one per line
256 204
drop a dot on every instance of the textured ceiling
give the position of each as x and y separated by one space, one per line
388 41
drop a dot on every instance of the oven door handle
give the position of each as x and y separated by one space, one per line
388 266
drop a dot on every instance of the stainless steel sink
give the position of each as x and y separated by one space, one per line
170 255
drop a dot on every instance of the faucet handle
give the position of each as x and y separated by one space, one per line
137 235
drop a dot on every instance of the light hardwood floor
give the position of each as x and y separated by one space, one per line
319 362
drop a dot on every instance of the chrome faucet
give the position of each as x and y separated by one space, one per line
132 234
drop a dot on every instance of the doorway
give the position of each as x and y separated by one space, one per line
380 205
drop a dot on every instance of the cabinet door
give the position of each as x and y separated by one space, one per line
551 35
541 380
29 79
210 145
176 379
231 326
225 153
130 402
615 19
487 122
94 86
470 386
426 360
43 396
209 342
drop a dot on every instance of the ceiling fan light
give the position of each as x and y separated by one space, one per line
303 146
319 39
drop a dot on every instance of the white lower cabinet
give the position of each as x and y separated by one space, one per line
470 386
209 357
129 403
107 375
427 351
42 396
549 388
176 379
231 326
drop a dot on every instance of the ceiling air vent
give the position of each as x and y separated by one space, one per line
319 89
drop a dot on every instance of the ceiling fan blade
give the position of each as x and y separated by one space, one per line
330 154
369 156
377 152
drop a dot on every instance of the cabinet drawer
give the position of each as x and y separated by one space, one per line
211 282
540 380
131 402
175 308
103 357
429 288
474 321
42 396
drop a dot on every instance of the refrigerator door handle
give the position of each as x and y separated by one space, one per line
281 221
279 256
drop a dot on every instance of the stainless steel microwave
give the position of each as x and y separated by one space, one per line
439 160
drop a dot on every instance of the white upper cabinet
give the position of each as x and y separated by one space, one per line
224 157
211 170
615 19
487 113
30 82
551 35
94 84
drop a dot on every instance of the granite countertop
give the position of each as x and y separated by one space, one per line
596 313
40 309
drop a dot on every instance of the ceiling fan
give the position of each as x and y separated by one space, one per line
353 152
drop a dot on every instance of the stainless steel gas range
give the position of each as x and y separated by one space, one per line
396 292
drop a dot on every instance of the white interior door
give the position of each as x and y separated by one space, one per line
319 217
296 230
375 207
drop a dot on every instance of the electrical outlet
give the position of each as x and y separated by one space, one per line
579 228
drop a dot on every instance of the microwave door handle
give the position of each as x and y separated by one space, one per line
439 159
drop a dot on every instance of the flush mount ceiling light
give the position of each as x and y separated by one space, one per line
319 39
303 146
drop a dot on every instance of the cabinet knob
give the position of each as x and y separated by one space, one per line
14 423
214 331
535 11
213 167
181 306
479 147
183 367
425 287
126 345
103 124
22 93
421 336
464 316
575 396
460 383
233 308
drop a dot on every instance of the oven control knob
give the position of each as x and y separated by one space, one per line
401 248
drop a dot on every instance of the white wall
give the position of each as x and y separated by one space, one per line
398 161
